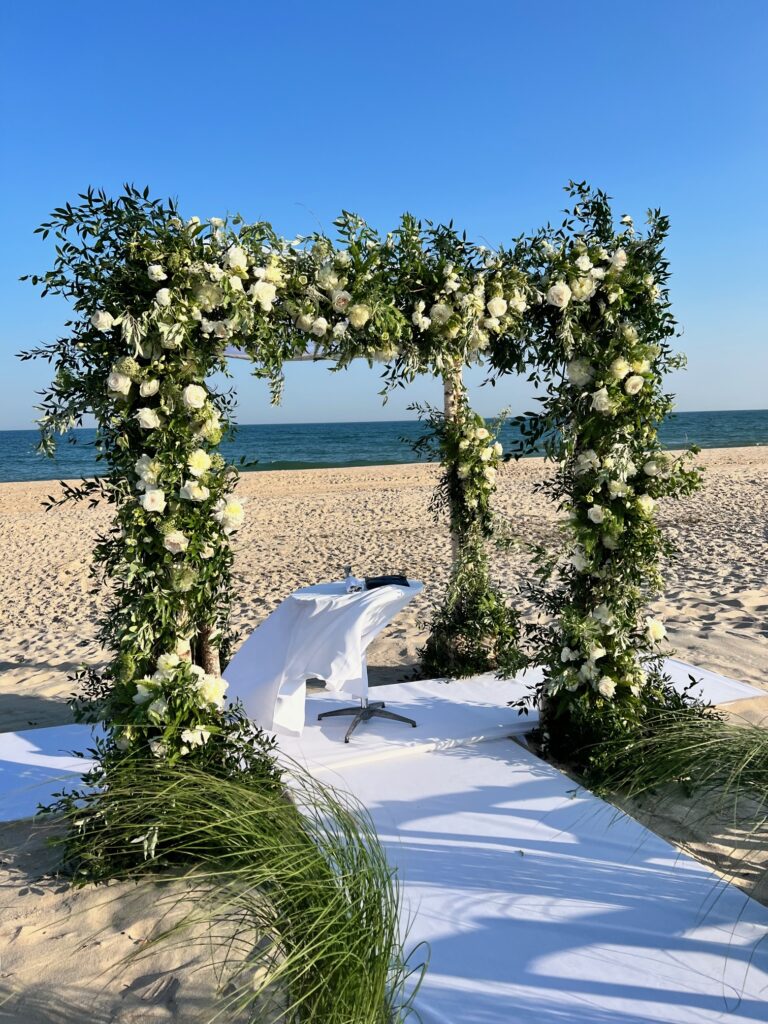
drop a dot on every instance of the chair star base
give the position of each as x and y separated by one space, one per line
365 711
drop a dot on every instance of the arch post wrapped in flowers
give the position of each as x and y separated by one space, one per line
601 331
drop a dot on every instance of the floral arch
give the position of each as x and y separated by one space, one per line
159 304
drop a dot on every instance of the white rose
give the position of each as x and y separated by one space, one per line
559 295
617 489
641 366
490 474
498 448
199 462
236 258
304 322
602 614
176 542
583 288
619 259
497 306
633 384
194 396
143 694
606 687
158 707
163 297
327 279
655 631
584 263
264 293
646 504
619 368
158 748
579 372
147 388
230 514
567 655
629 333
518 301
102 320
148 419
193 490
319 327
340 300
578 560
156 273
601 402
486 454
119 383
586 461
596 514
207 551
153 500
597 652
212 689
235 283
651 468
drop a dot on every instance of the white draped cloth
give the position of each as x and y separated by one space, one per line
318 632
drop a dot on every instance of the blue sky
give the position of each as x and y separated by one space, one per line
477 112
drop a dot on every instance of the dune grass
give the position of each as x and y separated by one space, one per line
290 889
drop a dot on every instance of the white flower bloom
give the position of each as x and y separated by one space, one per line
440 313
176 542
153 500
578 560
655 630
143 693
463 471
584 263
583 288
606 687
579 372
567 654
641 366
340 300
596 514
163 297
229 512
193 490
619 260
102 320
633 384
617 489
601 401
585 462
481 434
629 333
619 368
645 503
158 748
212 689
171 335
207 551
651 468
119 383
359 315
147 469
235 283
166 663
559 295
319 327
486 454
156 273
589 671
236 259
602 613
340 329
496 306
490 474
194 396
609 541
304 322
597 652
497 448
147 388
216 222
199 462
196 737
264 293
158 707
327 278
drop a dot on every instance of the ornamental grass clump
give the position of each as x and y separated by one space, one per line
289 889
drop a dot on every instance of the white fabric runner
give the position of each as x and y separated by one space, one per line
320 631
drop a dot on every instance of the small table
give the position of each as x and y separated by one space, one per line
317 632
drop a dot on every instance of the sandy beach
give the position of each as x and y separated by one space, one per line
302 527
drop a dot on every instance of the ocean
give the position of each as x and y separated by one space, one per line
322 445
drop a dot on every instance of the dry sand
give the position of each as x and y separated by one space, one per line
303 527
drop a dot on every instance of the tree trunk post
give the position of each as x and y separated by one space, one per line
453 390
208 654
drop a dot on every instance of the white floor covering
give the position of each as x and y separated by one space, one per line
540 903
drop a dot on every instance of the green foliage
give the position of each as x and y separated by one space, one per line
601 333
288 889
474 630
